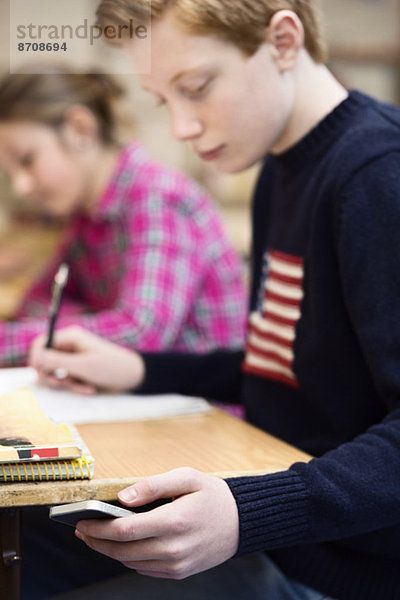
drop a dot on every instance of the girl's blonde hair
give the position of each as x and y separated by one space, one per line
45 97
241 22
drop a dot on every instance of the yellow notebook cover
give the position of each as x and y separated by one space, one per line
33 448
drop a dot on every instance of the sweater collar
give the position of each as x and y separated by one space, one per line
324 133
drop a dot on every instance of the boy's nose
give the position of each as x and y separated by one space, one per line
22 184
184 128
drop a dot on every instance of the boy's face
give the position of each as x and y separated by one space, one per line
232 108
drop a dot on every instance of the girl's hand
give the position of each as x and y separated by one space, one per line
84 363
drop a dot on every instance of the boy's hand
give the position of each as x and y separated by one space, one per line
197 531
85 362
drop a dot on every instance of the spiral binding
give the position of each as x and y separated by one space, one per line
52 470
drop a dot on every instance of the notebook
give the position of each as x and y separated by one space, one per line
34 448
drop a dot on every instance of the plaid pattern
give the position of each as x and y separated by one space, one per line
151 269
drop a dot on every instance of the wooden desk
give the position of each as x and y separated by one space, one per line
214 442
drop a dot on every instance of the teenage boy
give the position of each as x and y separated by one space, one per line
243 82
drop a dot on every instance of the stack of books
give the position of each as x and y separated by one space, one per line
34 448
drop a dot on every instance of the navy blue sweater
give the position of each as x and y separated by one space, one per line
322 366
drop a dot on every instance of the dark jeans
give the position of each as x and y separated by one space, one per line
58 566
54 560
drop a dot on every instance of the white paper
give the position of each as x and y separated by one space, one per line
66 407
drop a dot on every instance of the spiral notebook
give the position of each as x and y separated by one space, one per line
34 448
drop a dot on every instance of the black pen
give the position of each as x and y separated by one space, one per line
60 281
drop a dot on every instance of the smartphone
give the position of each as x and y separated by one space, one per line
70 514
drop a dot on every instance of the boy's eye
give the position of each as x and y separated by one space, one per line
198 90
27 159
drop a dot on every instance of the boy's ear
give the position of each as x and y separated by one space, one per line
80 127
285 33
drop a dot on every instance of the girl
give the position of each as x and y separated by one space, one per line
150 264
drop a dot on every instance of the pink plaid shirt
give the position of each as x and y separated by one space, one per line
151 268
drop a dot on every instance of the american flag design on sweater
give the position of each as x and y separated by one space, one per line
272 328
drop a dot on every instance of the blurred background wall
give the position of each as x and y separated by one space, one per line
364 43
